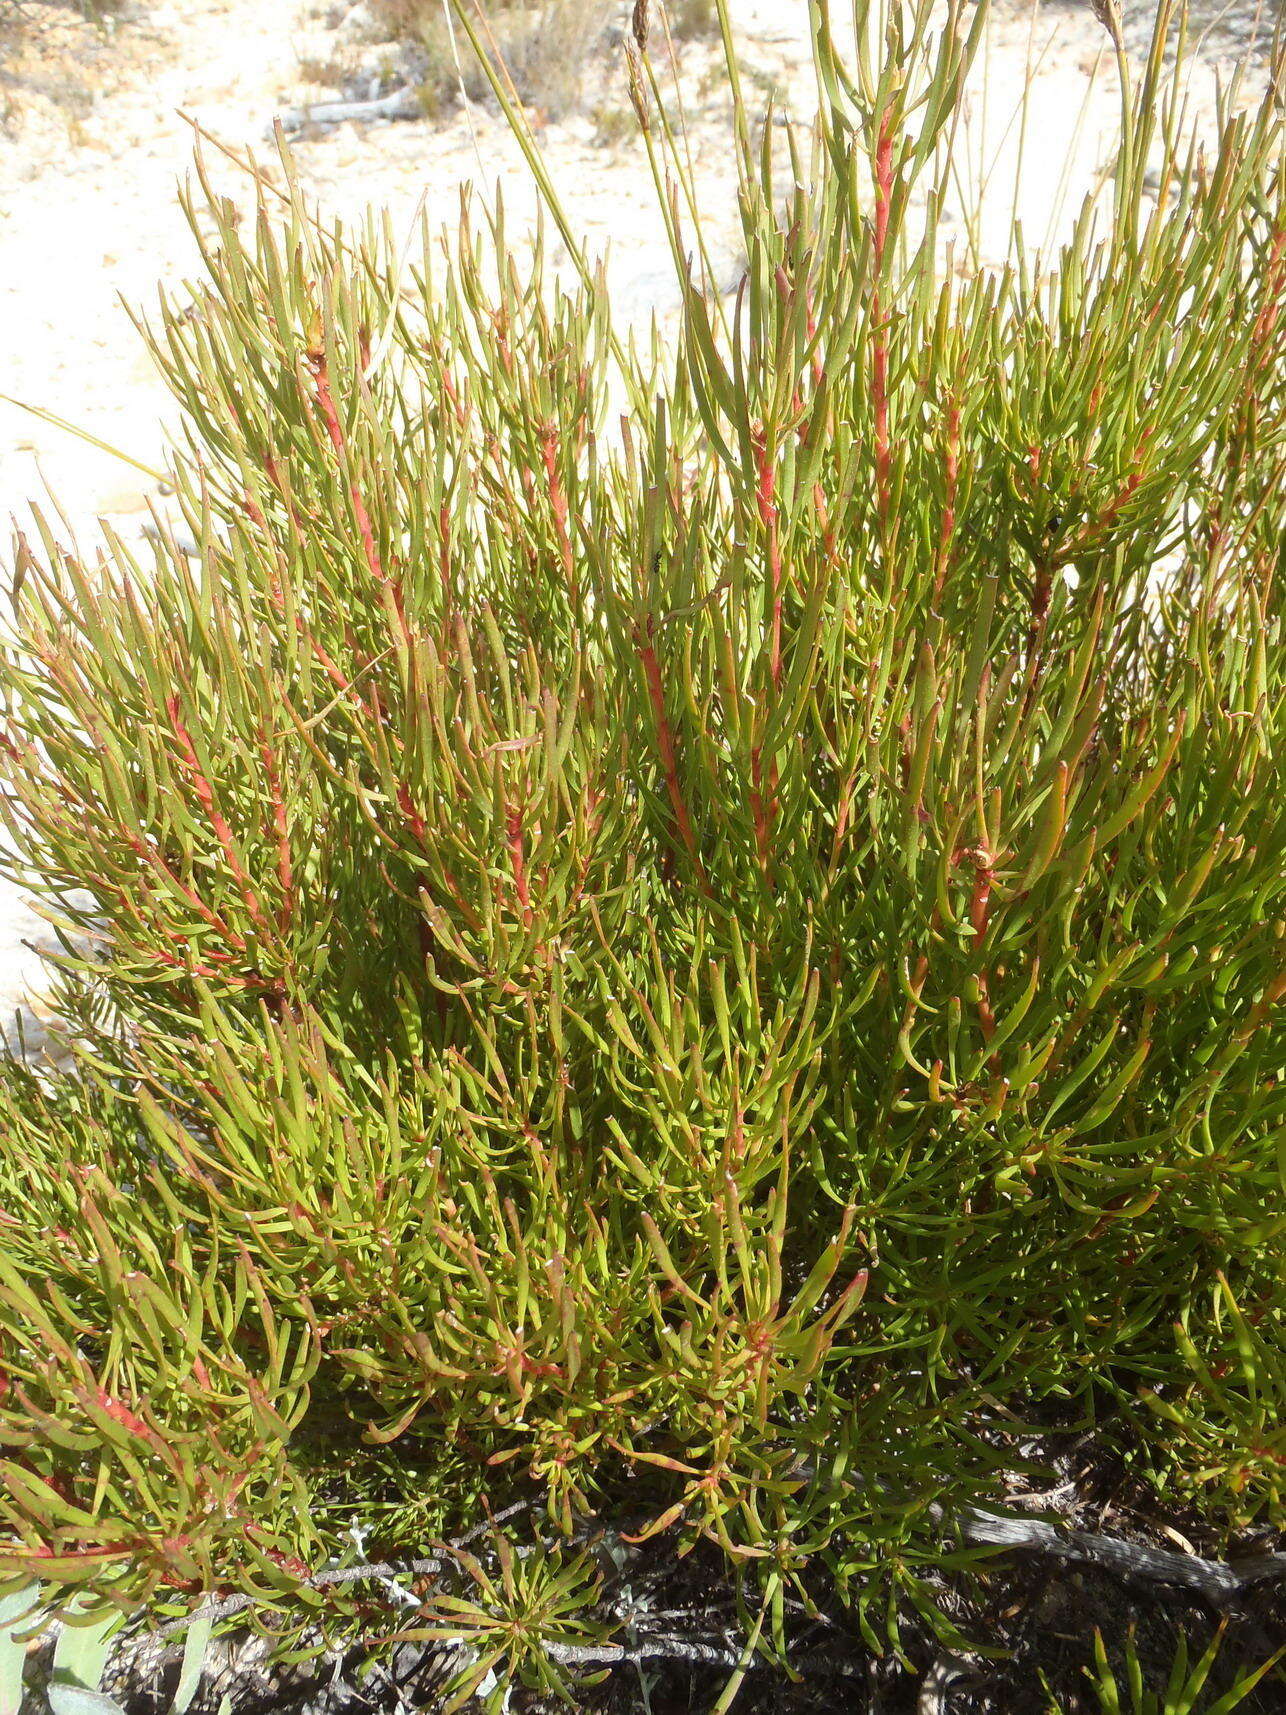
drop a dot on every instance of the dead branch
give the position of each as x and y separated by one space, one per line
1218 1581
402 103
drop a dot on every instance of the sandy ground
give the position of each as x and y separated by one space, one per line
96 133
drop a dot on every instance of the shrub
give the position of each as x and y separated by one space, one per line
95 10
694 18
700 964
544 48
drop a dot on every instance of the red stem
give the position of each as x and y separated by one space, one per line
223 833
154 860
514 830
980 902
1272 995
1131 482
768 517
334 428
285 872
758 811
986 1017
413 816
558 501
665 740
829 544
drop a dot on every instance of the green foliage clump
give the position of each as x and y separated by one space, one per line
691 933
1182 1693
